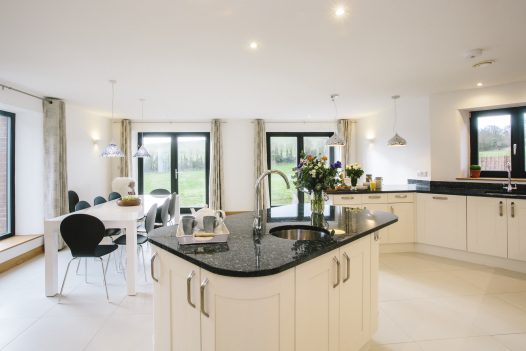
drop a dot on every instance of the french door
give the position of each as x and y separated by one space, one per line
178 162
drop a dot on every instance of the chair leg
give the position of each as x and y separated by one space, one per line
107 264
104 279
143 263
65 276
78 265
86 270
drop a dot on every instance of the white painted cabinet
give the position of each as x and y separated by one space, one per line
487 226
402 231
375 271
384 233
242 314
517 229
334 290
161 272
441 220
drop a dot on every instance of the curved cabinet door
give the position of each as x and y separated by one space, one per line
240 314
160 271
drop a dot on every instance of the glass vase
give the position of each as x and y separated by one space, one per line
317 205
354 181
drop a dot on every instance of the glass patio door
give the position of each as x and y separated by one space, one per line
179 162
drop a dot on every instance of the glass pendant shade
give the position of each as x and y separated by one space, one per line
335 140
112 150
397 141
142 152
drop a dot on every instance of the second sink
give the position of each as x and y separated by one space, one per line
300 232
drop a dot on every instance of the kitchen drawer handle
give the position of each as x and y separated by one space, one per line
376 236
375 196
203 287
348 263
392 209
347 197
513 210
401 196
337 272
501 209
152 260
189 288
439 197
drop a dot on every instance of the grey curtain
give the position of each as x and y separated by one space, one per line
216 166
125 162
260 158
346 131
55 160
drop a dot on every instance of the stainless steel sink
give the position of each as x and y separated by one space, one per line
300 232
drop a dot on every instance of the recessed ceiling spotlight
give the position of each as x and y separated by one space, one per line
339 11
471 54
479 84
254 45
484 63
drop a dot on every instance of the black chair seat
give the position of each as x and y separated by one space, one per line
121 240
100 251
112 232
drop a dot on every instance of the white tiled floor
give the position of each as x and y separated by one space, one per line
426 304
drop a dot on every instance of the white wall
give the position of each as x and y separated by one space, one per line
396 165
449 113
88 174
29 161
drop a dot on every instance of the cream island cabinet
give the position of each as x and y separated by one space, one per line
298 295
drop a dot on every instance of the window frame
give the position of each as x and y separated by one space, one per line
174 161
299 148
516 135
10 188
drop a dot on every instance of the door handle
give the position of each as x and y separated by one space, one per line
176 173
152 260
514 149
203 287
512 210
189 288
337 272
501 209
348 263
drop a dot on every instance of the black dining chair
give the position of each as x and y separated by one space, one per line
98 200
83 234
149 222
81 205
161 217
73 199
160 192
114 196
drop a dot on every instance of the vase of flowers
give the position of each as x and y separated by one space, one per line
314 175
354 171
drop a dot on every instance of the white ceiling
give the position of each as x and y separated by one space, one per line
190 59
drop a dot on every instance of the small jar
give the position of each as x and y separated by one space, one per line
378 183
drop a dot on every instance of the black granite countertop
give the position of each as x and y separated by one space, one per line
246 256
446 188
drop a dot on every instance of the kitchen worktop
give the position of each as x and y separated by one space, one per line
246 256
445 188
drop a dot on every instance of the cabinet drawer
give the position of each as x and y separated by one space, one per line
400 197
374 198
347 199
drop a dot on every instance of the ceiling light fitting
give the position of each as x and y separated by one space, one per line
339 11
112 150
335 139
142 152
397 140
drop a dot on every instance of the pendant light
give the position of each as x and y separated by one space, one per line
112 150
335 139
142 152
397 140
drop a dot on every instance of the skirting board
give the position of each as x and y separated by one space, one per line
485 260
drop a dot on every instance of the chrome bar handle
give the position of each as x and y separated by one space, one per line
335 259
376 236
512 210
152 260
401 196
501 209
348 263
374 197
439 197
203 287
392 209
189 288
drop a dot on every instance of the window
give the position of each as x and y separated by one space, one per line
179 162
7 174
498 137
283 153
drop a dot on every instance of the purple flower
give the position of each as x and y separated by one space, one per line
336 165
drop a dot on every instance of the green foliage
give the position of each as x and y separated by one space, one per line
353 171
314 174
493 138
475 167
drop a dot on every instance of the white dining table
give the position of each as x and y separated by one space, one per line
113 216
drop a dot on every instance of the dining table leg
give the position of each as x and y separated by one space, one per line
51 258
131 256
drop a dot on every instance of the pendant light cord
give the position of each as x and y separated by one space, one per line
395 97
333 98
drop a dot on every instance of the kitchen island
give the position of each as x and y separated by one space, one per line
268 293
